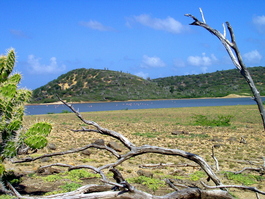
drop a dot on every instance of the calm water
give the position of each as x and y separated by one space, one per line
109 106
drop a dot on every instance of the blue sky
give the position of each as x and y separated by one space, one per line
142 37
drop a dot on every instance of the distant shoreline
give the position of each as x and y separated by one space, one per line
84 102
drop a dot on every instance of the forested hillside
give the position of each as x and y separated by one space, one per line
106 85
217 84
98 85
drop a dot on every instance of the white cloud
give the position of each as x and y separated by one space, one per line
253 57
95 25
204 69
37 68
169 24
179 63
152 62
202 60
19 34
259 22
142 74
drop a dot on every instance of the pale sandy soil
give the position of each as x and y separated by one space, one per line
59 102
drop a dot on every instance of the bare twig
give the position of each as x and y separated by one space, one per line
30 159
161 165
15 192
224 31
171 184
101 130
242 140
203 19
215 159
254 189
259 170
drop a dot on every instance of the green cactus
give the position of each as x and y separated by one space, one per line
12 105
10 149
2 169
36 135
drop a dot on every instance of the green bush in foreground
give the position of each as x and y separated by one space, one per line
73 175
7 197
245 179
67 187
151 183
12 105
221 120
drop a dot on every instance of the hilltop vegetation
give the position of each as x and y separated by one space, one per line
106 85
217 84
98 85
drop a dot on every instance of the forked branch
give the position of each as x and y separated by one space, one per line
234 53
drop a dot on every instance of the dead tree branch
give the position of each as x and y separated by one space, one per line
134 151
162 165
261 170
101 130
254 189
234 53
188 193
215 159
93 145
128 191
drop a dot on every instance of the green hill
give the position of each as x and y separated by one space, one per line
217 84
98 85
106 85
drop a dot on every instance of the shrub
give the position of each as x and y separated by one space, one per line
76 175
66 111
221 120
245 179
197 175
70 187
151 183
73 175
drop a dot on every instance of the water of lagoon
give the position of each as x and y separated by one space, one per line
149 104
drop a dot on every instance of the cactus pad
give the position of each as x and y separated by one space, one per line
10 149
2 169
14 125
15 78
36 141
8 90
36 135
40 128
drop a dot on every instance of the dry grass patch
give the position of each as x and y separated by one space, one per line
155 127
